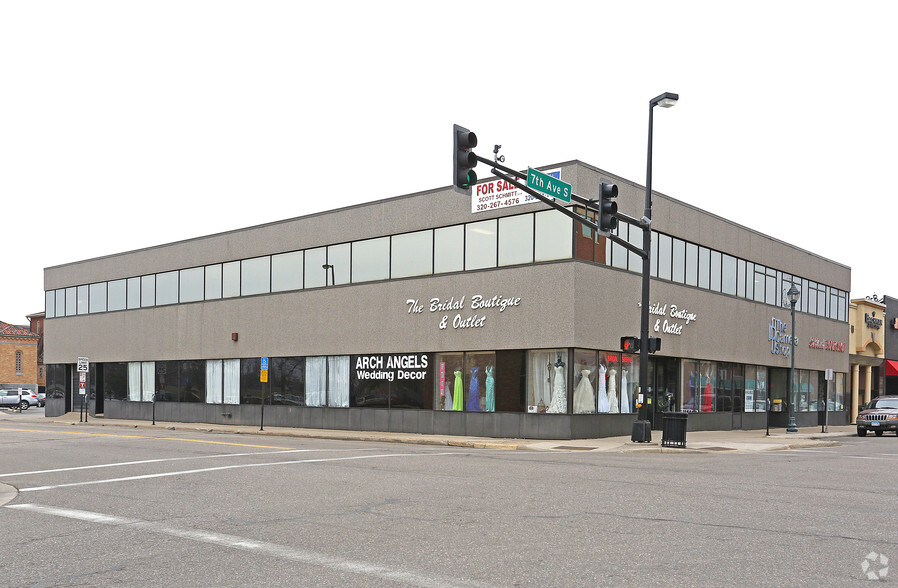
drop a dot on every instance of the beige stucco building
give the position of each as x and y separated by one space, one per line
867 340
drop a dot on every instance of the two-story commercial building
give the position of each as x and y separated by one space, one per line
436 312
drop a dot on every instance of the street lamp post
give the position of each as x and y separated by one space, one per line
325 268
793 294
665 100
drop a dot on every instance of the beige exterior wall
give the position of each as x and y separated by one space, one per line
562 304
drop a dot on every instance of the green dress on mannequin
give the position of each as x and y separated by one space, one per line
458 395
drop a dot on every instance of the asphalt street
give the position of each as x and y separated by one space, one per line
87 505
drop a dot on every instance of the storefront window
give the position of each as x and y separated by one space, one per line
252 389
609 382
724 401
115 381
584 381
286 376
480 377
838 402
629 382
690 386
450 381
738 377
327 381
547 381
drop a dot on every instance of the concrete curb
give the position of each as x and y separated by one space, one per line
707 442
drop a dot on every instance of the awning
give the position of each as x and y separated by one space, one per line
891 368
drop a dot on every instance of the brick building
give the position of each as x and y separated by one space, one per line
18 357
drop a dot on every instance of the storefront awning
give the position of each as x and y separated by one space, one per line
891 368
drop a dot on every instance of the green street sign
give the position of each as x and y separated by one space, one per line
548 185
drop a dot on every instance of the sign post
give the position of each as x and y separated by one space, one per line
263 378
83 369
829 379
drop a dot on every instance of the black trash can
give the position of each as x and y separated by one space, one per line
674 429
642 432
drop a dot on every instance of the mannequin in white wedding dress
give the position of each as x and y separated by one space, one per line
624 393
603 394
612 390
559 390
584 396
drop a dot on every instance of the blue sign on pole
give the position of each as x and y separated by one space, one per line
264 363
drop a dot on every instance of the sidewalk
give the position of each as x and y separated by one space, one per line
696 441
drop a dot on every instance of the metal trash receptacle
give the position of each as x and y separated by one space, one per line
674 429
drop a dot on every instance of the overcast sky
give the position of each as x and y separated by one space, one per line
131 124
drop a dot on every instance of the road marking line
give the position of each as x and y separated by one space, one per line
144 437
229 467
161 460
271 549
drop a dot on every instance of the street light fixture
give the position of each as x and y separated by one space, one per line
793 294
665 100
325 267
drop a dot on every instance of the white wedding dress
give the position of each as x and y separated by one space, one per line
612 390
584 396
624 393
559 392
603 395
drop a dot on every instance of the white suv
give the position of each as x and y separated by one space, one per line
22 399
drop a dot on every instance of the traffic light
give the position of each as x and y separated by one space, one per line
654 344
607 207
463 159
629 344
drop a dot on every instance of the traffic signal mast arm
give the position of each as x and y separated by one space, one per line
588 204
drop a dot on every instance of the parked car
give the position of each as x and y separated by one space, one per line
880 415
22 400
41 397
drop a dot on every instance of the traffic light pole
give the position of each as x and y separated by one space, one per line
646 268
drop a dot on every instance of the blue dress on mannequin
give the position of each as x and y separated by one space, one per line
474 391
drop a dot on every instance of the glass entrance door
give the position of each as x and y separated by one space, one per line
665 377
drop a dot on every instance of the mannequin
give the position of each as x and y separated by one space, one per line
559 390
707 401
458 399
584 397
612 390
474 391
603 394
490 388
624 392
